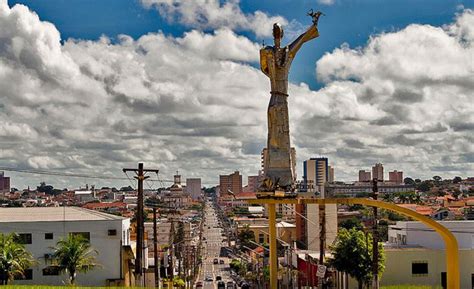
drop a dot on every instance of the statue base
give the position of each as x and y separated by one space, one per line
276 195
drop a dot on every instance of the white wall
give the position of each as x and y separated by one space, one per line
312 213
398 267
109 248
419 234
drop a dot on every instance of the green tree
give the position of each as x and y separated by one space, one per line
389 197
74 254
457 180
437 179
424 186
178 282
383 230
44 188
456 193
352 253
245 236
351 223
409 181
14 258
238 267
394 216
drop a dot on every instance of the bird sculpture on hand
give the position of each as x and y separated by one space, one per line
315 15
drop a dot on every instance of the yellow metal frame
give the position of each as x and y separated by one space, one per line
452 252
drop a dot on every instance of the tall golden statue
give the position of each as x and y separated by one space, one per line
275 62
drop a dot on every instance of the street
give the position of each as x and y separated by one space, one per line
213 241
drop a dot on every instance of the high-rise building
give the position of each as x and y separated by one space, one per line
377 172
231 182
364 176
4 183
193 188
316 172
395 177
331 174
252 183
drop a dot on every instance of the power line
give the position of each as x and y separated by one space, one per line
72 175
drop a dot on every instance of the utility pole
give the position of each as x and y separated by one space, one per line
155 252
322 239
140 176
375 239
171 260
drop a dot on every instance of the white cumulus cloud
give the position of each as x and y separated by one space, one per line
212 14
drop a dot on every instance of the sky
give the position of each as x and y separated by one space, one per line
90 87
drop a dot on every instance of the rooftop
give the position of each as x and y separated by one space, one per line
53 214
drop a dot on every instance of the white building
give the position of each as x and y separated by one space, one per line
415 254
84 196
41 228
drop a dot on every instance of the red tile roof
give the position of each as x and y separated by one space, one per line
97 206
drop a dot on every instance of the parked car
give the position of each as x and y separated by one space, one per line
218 278
199 284
221 261
216 261
209 278
221 285
230 285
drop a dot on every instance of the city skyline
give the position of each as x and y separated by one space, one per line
92 106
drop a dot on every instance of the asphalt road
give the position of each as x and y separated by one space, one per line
212 247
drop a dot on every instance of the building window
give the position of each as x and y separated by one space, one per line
24 238
51 271
261 238
112 232
85 235
27 275
48 236
419 268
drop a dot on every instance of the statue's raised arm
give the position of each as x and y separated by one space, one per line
311 33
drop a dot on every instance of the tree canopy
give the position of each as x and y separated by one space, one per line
245 236
352 253
14 258
74 254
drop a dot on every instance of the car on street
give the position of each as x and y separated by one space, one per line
230 285
221 261
216 261
209 279
221 285
199 284
218 278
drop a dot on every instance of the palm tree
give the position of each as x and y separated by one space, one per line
74 254
14 258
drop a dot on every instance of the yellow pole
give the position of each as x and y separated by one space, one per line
273 246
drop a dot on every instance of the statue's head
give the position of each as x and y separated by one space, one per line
277 34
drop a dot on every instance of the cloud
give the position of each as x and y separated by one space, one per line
197 104
326 2
213 14
94 106
418 80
